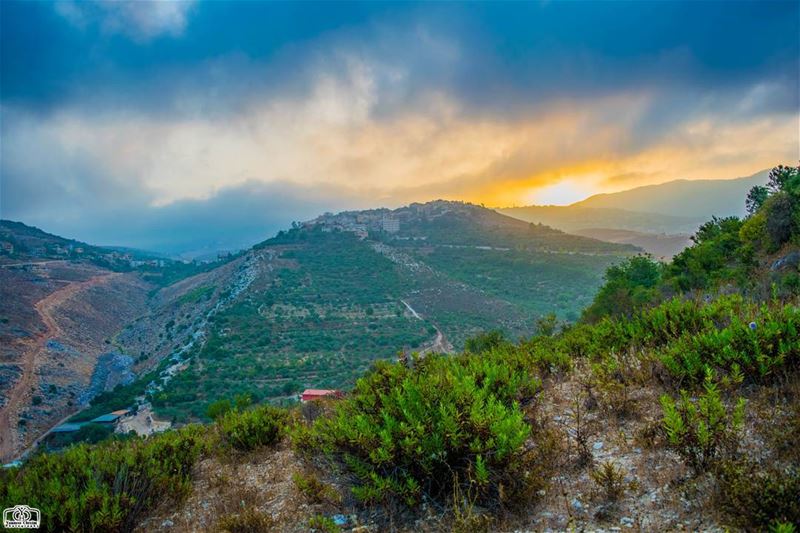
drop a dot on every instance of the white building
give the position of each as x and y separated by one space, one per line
390 225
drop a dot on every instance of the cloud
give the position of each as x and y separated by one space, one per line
330 138
141 20
233 145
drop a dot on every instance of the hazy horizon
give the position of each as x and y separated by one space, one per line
159 125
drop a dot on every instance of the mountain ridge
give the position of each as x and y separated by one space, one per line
683 197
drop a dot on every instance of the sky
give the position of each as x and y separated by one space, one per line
177 125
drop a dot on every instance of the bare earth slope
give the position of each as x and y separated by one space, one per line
55 321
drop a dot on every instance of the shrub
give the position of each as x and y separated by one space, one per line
610 480
758 350
407 432
108 486
628 286
315 490
485 342
612 381
218 408
702 430
323 524
247 430
248 521
756 497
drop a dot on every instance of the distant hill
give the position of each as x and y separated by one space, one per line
31 241
683 198
573 218
22 242
659 245
657 218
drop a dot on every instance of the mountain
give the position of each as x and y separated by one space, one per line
657 218
314 306
574 218
682 198
319 303
659 245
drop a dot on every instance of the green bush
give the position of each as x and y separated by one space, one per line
323 524
408 432
756 497
702 430
610 481
759 350
219 408
246 430
485 341
628 286
315 490
248 521
108 486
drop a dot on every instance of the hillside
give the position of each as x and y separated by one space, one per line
63 304
656 218
682 198
331 296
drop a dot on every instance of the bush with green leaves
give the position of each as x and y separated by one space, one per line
485 341
728 335
219 408
757 497
702 430
610 480
408 432
249 520
323 524
628 286
314 489
758 342
108 486
263 425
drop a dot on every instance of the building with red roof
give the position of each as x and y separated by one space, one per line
320 394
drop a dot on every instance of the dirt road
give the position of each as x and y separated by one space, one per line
440 344
21 391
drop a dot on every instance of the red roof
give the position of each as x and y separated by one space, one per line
313 394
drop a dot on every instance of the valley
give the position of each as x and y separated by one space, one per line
315 306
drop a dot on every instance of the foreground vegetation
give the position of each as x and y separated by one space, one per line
701 334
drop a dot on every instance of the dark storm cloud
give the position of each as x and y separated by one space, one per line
509 54
110 110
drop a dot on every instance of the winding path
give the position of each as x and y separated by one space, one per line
440 344
20 391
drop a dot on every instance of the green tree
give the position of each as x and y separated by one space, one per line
218 408
628 286
485 341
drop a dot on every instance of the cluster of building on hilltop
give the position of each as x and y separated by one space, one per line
72 251
358 222
385 220
48 250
